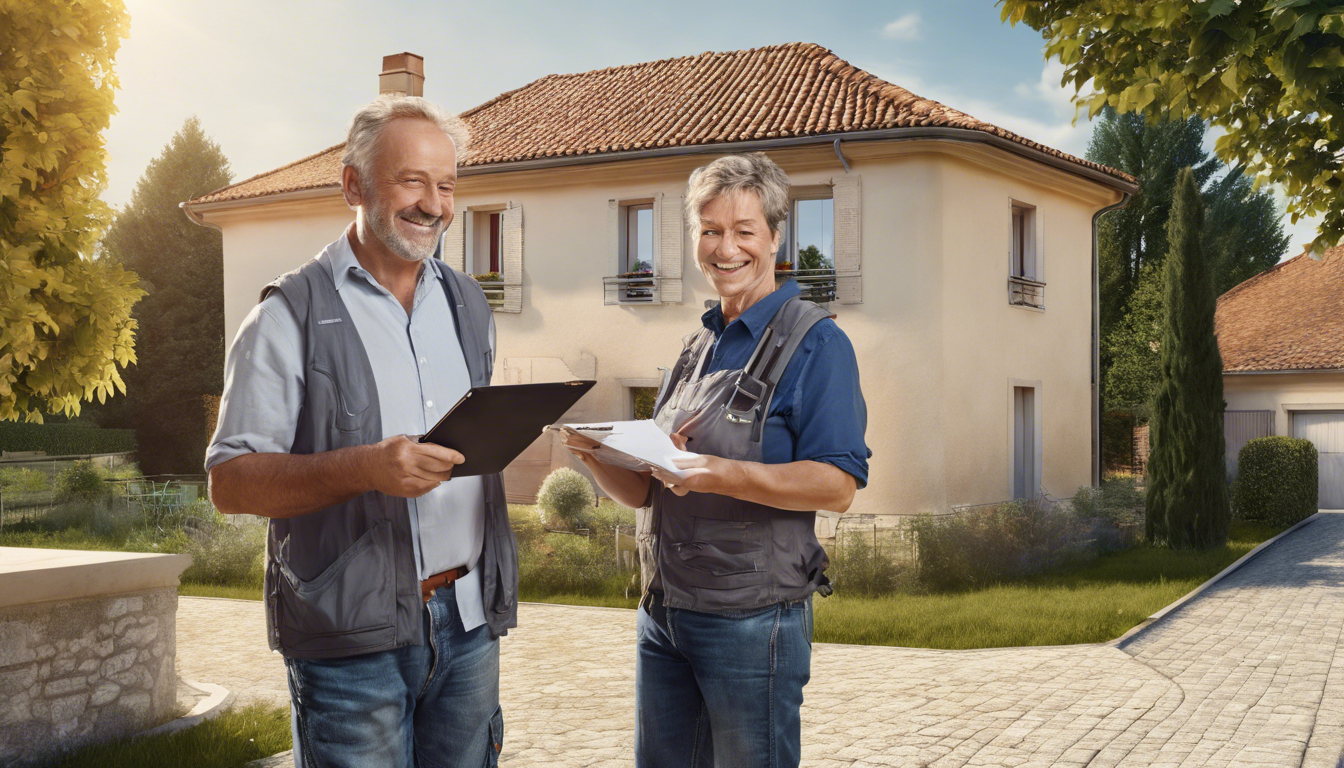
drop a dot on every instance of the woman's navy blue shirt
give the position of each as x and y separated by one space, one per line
817 413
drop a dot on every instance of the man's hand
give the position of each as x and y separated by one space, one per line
403 467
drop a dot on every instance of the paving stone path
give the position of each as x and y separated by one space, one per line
1248 673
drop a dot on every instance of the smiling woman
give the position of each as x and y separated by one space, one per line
767 395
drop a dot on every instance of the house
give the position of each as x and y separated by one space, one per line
959 257
1281 335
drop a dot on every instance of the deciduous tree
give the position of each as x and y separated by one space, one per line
1269 73
65 315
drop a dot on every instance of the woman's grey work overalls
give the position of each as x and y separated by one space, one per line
712 553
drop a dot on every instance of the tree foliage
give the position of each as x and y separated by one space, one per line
65 315
1187 493
1270 73
1242 236
181 336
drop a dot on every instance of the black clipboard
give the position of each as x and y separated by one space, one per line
490 426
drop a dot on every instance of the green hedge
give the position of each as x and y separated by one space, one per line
64 439
1276 480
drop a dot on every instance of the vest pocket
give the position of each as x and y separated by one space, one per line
350 401
353 596
722 554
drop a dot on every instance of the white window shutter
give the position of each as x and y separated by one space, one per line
453 241
511 221
1038 263
848 240
670 247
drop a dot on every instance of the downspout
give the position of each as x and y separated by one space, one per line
841 155
1096 341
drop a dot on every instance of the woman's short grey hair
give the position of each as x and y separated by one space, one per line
361 144
731 173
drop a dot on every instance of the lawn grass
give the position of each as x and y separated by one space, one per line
197 589
1091 603
237 736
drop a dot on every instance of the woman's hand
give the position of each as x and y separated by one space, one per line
582 447
622 485
705 474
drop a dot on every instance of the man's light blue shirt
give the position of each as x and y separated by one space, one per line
420 372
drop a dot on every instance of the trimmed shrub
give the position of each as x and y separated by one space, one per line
1276 480
64 439
567 497
977 548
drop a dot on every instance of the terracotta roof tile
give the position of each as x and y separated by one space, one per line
793 90
1288 318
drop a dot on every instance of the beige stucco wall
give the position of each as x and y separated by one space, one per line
937 342
1284 393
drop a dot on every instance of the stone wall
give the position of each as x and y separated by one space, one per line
79 671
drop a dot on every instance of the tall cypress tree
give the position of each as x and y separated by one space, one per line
1187 496
181 338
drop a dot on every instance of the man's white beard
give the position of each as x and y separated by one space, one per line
380 223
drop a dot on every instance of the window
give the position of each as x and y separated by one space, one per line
636 279
1025 287
1023 245
487 242
637 255
642 400
1026 444
807 246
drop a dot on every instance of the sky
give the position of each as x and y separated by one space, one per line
273 81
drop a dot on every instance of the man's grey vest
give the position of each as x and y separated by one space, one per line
342 580
713 553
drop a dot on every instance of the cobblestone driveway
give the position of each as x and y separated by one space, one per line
1248 673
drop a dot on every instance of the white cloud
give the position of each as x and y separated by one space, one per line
904 28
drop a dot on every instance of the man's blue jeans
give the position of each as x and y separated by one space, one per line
426 706
721 690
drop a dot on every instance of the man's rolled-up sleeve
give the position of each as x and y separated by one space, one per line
263 385
829 416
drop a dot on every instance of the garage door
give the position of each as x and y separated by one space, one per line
1326 432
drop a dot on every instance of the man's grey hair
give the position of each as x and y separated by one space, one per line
731 173
361 144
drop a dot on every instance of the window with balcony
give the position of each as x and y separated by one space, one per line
1025 287
636 280
807 246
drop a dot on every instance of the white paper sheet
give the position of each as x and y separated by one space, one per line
638 445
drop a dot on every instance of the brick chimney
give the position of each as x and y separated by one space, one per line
403 74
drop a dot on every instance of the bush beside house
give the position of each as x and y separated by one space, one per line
1276 481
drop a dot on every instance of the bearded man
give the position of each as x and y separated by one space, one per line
388 583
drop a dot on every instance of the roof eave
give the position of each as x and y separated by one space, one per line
912 133
1265 371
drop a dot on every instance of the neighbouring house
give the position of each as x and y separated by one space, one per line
958 256
1281 335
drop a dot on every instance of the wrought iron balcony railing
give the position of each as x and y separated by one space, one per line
630 288
1026 292
816 284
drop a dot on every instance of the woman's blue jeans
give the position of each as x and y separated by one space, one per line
424 706
721 690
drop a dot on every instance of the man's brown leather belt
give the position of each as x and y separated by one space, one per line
428 586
